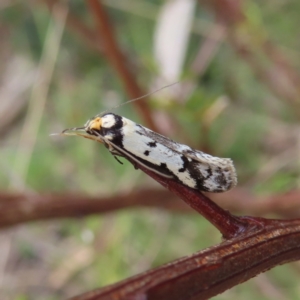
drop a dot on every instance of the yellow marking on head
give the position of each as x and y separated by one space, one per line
95 124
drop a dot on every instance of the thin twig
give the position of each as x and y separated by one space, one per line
40 92
118 60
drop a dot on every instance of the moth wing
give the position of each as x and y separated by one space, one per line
217 165
185 150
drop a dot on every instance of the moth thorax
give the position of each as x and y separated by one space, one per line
111 121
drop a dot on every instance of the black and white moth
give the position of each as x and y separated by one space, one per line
159 154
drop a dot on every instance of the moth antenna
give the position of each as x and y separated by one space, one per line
141 97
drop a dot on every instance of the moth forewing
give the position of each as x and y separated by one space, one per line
218 173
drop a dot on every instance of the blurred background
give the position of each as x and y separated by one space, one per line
238 96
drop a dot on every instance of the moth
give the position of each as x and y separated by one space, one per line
125 138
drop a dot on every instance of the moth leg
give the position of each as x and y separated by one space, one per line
118 160
135 165
113 151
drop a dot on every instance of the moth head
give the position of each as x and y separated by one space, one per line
96 127
91 130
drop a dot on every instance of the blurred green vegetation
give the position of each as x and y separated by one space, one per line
255 127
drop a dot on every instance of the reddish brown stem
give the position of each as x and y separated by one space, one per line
226 223
22 208
213 270
229 225
118 61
